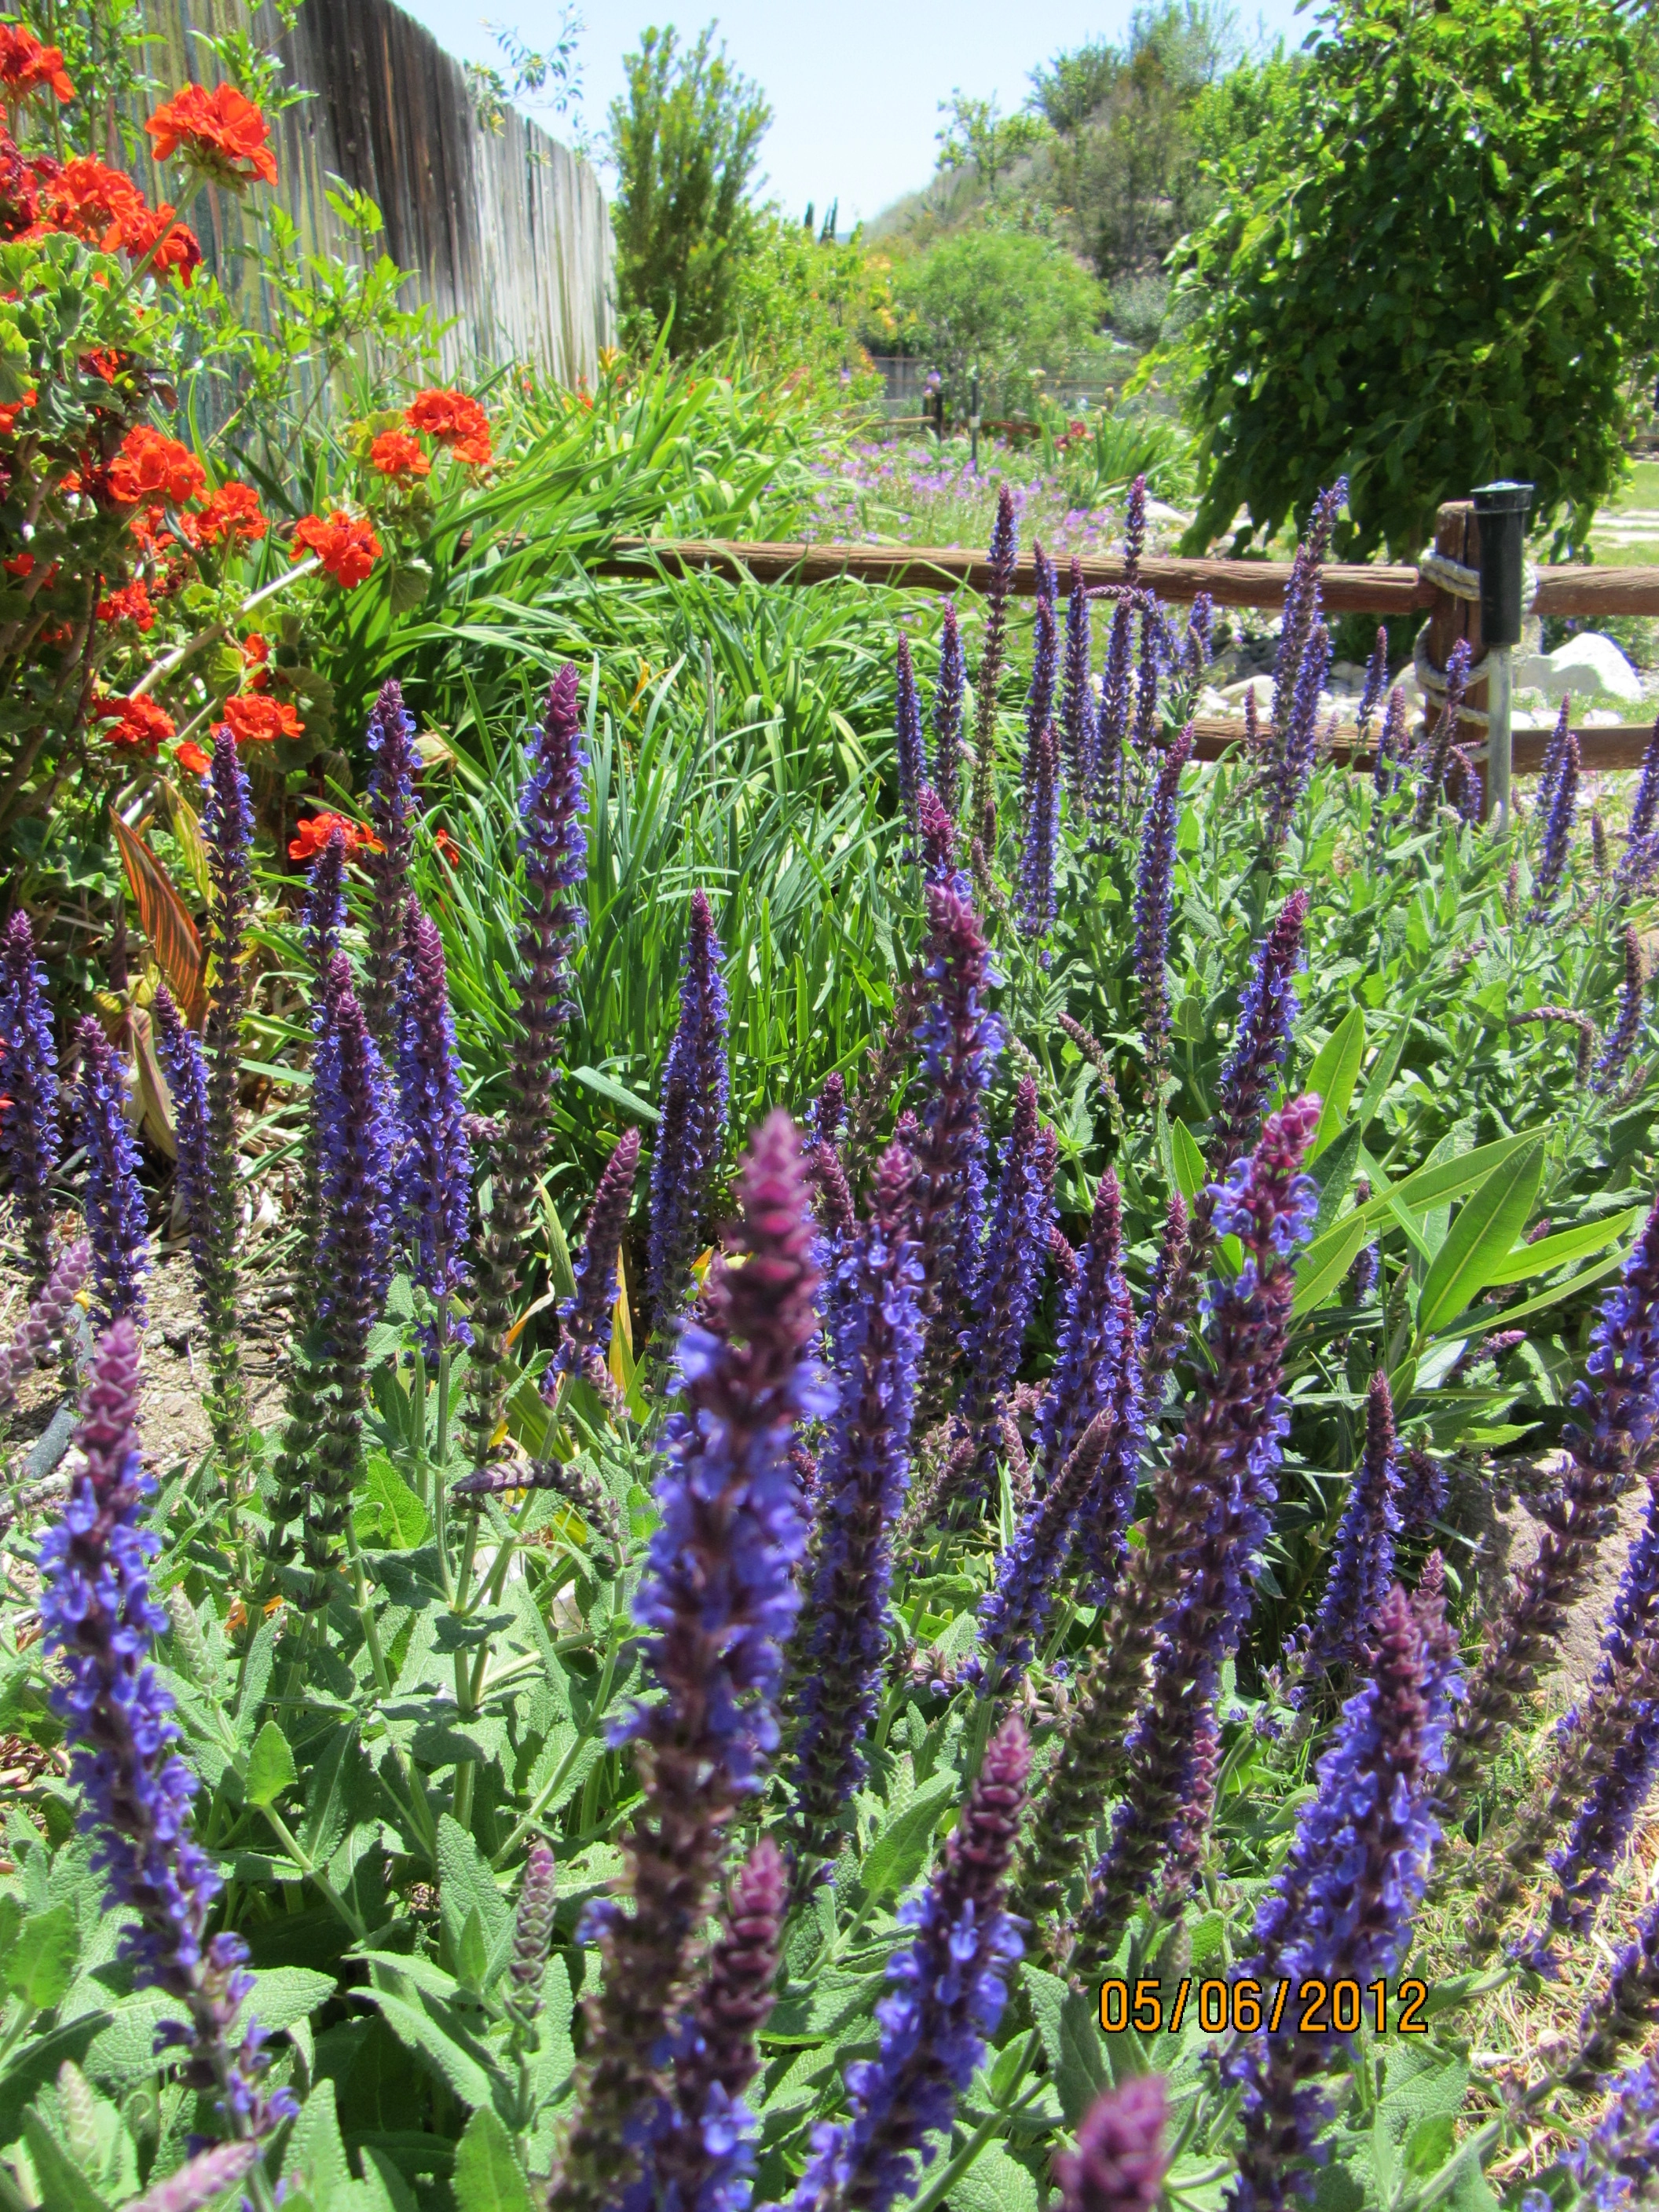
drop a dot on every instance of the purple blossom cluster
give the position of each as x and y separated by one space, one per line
1362 1559
691 1129
28 1091
1154 902
116 1223
392 779
433 1156
1008 1276
585 1316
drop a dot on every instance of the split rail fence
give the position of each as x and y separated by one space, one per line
1378 588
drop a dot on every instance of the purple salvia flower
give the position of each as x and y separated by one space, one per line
1341 1906
322 926
99 1618
1438 751
1004 553
829 1116
1422 1495
947 715
1615 1407
201 2181
1045 656
1622 2011
1102 1531
1252 728
1036 871
910 753
1196 647
1636 864
1134 531
554 846
1266 1015
392 779
938 838
116 1223
1188 1578
1362 1560
532 1930
960 1039
1120 2160
28 1092
1077 698
227 835
323 917
1080 1386
863 1473
1143 737
1616 2164
718 1601
1377 680
1295 739
45 1327
1558 832
1030 1572
1390 747
947 1994
1005 1291
1622 1037
1114 718
695 1088
1555 753
1064 1256
1301 617
1154 892
585 1317
434 1159
179 1052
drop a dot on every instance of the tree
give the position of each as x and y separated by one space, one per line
1436 264
1002 301
685 141
980 137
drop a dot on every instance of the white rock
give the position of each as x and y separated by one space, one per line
1157 512
1347 675
1587 663
1212 704
1601 718
1261 685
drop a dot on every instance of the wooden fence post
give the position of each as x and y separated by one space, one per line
1457 537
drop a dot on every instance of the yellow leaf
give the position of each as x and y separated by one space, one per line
162 917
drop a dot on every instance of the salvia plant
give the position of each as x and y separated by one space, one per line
950 1633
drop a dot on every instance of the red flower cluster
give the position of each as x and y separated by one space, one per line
345 544
189 756
140 724
256 657
106 209
220 132
9 413
231 514
129 604
254 720
313 834
395 454
455 422
25 65
151 467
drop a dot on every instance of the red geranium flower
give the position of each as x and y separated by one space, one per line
231 513
221 132
395 454
129 604
313 834
140 724
448 851
191 756
455 422
151 467
345 544
175 244
92 201
9 413
26 64
19 564
254 720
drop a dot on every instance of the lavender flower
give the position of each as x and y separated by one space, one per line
1294 738
1362 1563
323 918
1081 1384
947 715
1134 531
1169 1297
911 756
1433 777
390 738
1196 647
1341 1908
1558 832
116 1222
45 1327
1301 623
1120 2160
179 1053
1077 698
1391 747
1636 863
100 1618
585 1317
1555 758
1616 1406
692 1129
1143 737
1616 2164
554 850
1422 1495
1377 679
1004 553
829 1115
1045 657
201 2181
434 1160
532 1930
1036 875
1008 1277
1266 1015
863 1475
1154 889
1621 1038
1622 2011
1013 1611
718 1601
228 834
1114 722
28 1092
947 1995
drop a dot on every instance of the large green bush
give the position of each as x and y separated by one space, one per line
1003 302
1435 264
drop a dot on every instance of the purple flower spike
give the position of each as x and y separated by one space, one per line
938 837
1391 747
1362 1563
947 715
1616 2164
28 1092
1637 862
695 1084
434 1160
1081 1383
1045 657
1004 555
1036 873
1030 1572
1197 645
1555 755
1010 1275
1120 2160
948 1990
1154 892
179 1053
1302 606
392 779
863 1476
1266 1015
717 1601
1143 737
1558 832
585 1317
1114 722
911 756
228 835
1432 782
1376 679
201 2181
99 1617
1077 705
532 1928
116 1222
1134 531
323 919
1295 739
45 1328
1623 1036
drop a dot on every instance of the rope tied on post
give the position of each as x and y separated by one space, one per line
1459 582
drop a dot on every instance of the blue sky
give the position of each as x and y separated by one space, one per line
854 88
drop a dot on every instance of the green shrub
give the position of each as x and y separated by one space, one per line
1003 302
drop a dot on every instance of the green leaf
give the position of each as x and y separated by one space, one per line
40 1964
1334 1176
282 1995
444 2056
398 1517
465 1886
609 1089
315 2158
1552 1252
1333 1076
1446 1179
1327 1259
472 1953
487 2177
1187 1161
67 2189
11 1919
900 1852
327 1790
1384 1068
1506 1316
1486 1226
270 1768
995 2182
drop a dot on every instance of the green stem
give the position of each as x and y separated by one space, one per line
595 1715
291 1844
948 2176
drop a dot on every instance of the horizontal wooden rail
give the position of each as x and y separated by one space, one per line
1601 749
1375 587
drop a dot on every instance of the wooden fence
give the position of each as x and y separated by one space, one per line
506 235
1377 587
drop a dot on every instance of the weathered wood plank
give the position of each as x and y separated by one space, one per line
1611 746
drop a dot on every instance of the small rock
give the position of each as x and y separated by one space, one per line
1261 685
1587 663
1214 705
1157 512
